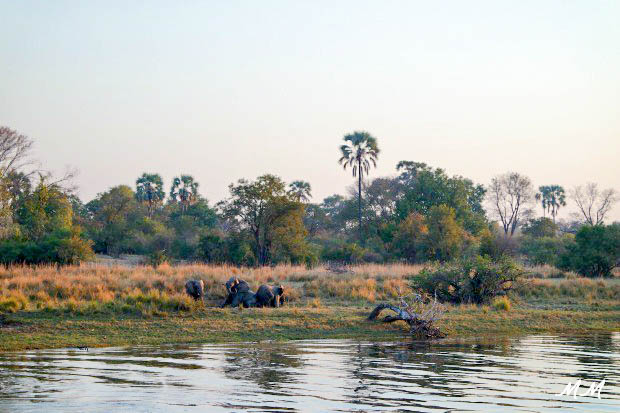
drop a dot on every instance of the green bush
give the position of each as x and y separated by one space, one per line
595 253
544 250
60 247
475 280
349 253
156 258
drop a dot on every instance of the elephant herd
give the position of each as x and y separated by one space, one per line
239 293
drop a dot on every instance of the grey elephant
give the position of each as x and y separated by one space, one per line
195 289
238 293
267 296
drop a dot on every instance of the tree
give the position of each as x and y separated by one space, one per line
596 251
150 190
110 216
381 198
540 227
552 197
445 238
409 238
423 187
301 190
473 280
510 195
14 150
45 210
185 189
47 232
260 207
358 153
594 204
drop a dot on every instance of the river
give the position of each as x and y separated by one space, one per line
501 375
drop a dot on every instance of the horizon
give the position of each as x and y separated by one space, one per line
204 89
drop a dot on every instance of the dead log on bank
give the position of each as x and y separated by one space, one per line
420 316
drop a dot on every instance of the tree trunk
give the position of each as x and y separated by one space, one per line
359 200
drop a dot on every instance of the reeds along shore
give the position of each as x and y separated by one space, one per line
147 290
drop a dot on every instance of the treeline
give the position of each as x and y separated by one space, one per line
420 214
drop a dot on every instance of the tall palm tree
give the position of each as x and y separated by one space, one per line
359 152
185 189
552 197
300 190
150 190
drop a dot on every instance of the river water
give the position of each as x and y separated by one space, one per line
503 375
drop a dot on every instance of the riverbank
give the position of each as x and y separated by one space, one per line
92 306
32 330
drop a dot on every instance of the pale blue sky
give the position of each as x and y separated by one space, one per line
231 89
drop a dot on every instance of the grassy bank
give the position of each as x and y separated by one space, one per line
112 305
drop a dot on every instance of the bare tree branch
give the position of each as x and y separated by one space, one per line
14 150
511 194
592 203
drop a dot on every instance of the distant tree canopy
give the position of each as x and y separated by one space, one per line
424 187
551 197
511 194
150 191
540 227
595 252
269 215
184 190
420 214
359 152
45 230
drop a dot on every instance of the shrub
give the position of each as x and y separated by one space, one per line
157 258
495 245
595 253
540 227
315 303
60 247
544 250
348 253
501 303
475 280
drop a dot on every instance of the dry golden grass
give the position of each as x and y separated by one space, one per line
150 291
71 287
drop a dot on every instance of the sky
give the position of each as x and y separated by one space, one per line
234 89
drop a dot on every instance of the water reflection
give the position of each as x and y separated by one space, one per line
269 365
523 374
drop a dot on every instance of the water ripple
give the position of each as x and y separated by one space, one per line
504 375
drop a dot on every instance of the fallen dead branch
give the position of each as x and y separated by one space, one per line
420 314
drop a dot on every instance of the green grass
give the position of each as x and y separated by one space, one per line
49 329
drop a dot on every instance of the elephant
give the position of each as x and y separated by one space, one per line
267 296
195 289
238 293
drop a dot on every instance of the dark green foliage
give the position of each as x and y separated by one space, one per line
540 227
45 228
475 280
150 191
157 258
215 248
60 247
424 187
596 251
551 198
545 250
184 191
345 252
263 211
